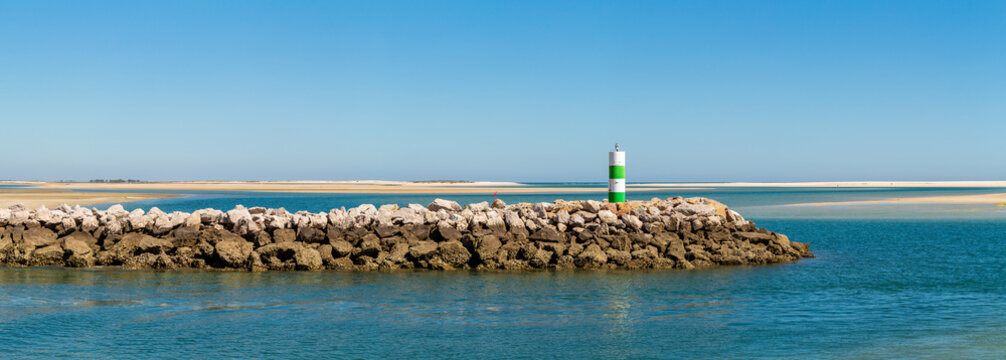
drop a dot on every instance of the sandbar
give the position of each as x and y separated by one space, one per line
849 184
369 186
33 198
992 199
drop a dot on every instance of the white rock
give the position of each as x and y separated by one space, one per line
577 221
42 214
319 220
193 221
632 222
279 222
495 222
607 217
157 212
513 220
335 216
591 206
695 209
68 222
562 217
18 217
137 220
441 204
89 223
477 207
301 220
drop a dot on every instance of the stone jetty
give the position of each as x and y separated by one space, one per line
675 233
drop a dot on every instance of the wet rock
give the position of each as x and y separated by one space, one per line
307 259
487 246
234 253
341 248
47 255
454 253
77 252
592 256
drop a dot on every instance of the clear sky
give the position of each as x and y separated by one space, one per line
508 90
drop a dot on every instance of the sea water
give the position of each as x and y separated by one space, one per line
907 282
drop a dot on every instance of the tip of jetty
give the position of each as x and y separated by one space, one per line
669 233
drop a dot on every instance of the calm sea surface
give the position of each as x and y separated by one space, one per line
890 281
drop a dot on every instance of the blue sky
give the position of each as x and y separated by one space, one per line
508 90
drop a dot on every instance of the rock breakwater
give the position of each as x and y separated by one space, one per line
660 234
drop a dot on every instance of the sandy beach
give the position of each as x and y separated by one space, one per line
389 187
55 193
848 184
33 198
993 199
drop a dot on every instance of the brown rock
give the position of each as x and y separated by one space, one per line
38 237
486 247
234 253
47 255
284 235
307 259
341 248
592 256
454 253
423 250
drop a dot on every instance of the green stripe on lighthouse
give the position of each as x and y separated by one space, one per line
616 172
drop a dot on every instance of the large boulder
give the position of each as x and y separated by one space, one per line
454 253
78 253
423 250
607 217
307 258
234 253
38 237
341 248
486 247
592 256
695 209
441 204
47 255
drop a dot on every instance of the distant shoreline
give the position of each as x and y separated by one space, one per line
846 184
53 194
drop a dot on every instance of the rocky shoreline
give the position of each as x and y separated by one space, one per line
674 233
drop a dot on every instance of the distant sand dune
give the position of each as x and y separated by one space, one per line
993 199
52 198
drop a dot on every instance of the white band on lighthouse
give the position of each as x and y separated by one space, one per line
616 158
616 185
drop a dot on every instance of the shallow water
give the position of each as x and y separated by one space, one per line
906 286
752 202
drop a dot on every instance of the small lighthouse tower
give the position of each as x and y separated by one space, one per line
616 176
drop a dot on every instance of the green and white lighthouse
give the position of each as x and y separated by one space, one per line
616 176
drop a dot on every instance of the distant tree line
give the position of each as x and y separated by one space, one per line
114 181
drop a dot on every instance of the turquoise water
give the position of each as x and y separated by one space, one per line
752 202
902 283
